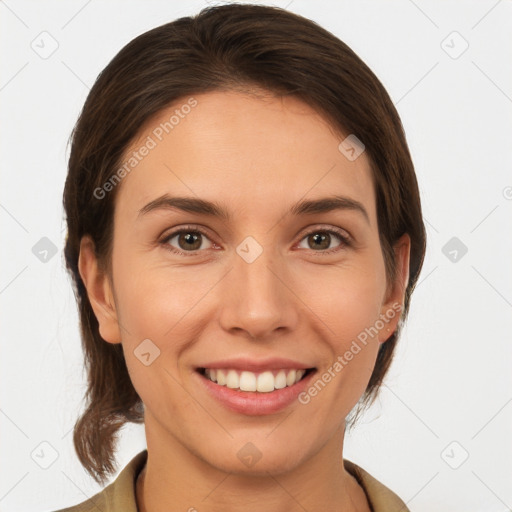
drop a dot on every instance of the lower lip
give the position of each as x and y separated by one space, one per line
253 403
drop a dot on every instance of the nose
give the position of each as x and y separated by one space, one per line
257 297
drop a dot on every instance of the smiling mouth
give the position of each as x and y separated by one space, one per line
260 382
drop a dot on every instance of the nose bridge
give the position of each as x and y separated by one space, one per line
256 300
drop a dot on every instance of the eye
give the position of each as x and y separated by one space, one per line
187 240
320 240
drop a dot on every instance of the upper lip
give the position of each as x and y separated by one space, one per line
253 365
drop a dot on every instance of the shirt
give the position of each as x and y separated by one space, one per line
119 496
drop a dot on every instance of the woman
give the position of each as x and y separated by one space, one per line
244 235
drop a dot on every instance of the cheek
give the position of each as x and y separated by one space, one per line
155 299
347 304
347 298
157 318
164 305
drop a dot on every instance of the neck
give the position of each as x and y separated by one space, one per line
175 479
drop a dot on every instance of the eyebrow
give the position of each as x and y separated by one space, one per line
214 209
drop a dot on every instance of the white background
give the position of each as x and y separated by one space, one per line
451 379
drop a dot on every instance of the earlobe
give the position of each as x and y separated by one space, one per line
393 306
99 291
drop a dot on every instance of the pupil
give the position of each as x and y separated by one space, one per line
190 239
320 238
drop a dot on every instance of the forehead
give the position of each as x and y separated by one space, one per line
250 151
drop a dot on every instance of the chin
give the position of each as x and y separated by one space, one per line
256 458
275 464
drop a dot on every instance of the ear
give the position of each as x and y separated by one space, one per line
99 291
395 296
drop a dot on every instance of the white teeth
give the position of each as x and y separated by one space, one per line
221 377
232 380
264 382
280 380
247 381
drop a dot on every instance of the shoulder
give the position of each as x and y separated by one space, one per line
380 497
119 496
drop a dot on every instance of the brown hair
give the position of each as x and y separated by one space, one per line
228 47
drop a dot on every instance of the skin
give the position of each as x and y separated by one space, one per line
256 155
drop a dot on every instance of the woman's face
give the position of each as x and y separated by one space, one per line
283 281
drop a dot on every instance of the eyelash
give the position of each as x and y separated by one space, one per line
344 239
